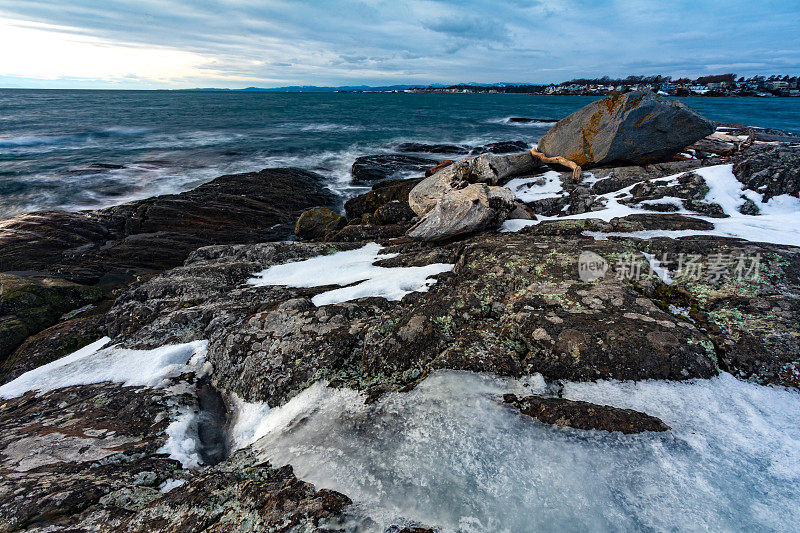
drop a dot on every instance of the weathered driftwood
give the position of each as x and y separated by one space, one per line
576 169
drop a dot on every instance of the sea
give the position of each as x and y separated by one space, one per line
82 149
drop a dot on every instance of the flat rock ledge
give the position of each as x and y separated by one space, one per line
585 415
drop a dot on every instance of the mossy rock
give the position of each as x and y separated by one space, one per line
29 305
317 222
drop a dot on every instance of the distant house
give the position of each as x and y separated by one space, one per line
780 85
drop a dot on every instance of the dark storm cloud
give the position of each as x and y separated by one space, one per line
418 41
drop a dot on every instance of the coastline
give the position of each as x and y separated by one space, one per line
558 315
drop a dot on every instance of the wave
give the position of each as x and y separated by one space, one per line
32 140
128 138
54 139
321 127
168 169
522 122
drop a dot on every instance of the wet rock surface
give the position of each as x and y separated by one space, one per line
158 233
371 168
54 262
585 415
30 304
382 193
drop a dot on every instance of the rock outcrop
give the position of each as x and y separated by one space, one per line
770 171
382 193
632 128
372 168
60 261
585 415
95 456
89 458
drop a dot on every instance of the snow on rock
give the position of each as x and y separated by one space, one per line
777 222
170 484
183 439
450 454
547 185
661 272
95 363
355 271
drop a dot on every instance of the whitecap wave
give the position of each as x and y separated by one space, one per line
522 122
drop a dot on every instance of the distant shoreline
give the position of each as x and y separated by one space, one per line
272 91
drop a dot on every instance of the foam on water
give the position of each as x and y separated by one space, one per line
450 454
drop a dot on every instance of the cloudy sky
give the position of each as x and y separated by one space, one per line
267 43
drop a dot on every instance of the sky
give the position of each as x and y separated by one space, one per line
149 44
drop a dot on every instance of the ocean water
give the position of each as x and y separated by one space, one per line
89 149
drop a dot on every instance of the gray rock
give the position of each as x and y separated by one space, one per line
771 171
424 196
464 211
636 128
486 168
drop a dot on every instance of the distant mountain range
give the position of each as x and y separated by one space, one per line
318 89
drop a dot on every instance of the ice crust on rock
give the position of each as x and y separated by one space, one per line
183 439
450 454
355 271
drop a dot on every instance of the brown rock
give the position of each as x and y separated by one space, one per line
585 415
317 222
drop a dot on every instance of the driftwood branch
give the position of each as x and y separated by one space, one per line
576 169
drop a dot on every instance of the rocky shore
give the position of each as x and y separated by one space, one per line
672 258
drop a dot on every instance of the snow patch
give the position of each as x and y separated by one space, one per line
183 439
660 271
537 188
170 484
776 223
251 421
451 455
95 364
348 268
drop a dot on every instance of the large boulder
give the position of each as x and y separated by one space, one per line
486 168
460 212
634 128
